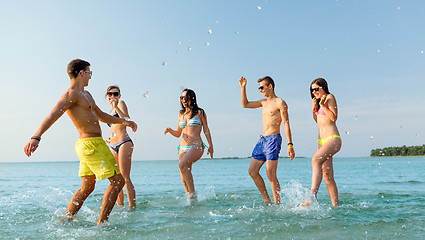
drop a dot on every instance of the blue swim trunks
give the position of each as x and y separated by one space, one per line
267 148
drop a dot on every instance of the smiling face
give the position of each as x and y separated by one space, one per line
265 88
185 101
317 90
86 75
113 93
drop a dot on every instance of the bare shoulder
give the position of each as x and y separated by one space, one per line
330 99
330 96
281 103
121 103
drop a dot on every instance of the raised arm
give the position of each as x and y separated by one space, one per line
207 133
285 120
331 110
121 108
65 102
244 100
176 133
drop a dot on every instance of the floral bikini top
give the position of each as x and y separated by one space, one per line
192 122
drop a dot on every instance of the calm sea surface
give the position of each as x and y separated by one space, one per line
381 198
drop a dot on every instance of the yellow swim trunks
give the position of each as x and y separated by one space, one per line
323 141
95 158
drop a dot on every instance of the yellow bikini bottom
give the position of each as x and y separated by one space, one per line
323 141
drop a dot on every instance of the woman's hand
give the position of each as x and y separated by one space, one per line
113 102
167 130
108 140
211 151
314 104
323 100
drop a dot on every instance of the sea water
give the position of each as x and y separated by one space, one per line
381 198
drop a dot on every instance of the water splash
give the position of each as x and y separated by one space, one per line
146 94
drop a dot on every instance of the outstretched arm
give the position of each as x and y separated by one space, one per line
107 118
176 133
285 120
65 102
207 133
244 100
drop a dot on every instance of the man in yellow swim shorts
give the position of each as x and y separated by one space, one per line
96 160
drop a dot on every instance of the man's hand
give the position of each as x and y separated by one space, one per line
291 152
242 81
31 146
131 124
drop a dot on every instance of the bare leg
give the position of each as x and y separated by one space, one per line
124 157
323 154
271 167
328 174
185 165
254 172
77 200
110 196
120 198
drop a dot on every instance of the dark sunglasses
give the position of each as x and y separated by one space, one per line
260 88
113 93
315 89
183 97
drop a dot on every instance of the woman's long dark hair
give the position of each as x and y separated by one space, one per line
322 83
191 102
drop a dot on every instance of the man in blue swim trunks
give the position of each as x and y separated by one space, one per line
275 111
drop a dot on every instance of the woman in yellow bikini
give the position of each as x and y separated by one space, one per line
325 113
191 121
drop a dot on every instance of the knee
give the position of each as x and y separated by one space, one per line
317 160
184 166
87 189
253 173
119 181
327 175
271 176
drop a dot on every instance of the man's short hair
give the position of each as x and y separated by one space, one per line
268 80
75 66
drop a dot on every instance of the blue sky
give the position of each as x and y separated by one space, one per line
370 52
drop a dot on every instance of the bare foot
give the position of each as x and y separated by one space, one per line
267 202
305 204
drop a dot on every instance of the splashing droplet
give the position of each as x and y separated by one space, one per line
258 7
146 94
164 63
188 48
207 44
347 132
371 137
210 31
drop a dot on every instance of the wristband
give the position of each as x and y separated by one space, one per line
36 138
290 147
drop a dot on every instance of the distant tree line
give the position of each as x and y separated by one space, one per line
399 151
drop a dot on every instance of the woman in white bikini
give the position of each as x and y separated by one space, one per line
191 121
325 113
121 144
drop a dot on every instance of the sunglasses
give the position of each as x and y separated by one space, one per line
183 97
260 88
315 89
115 94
